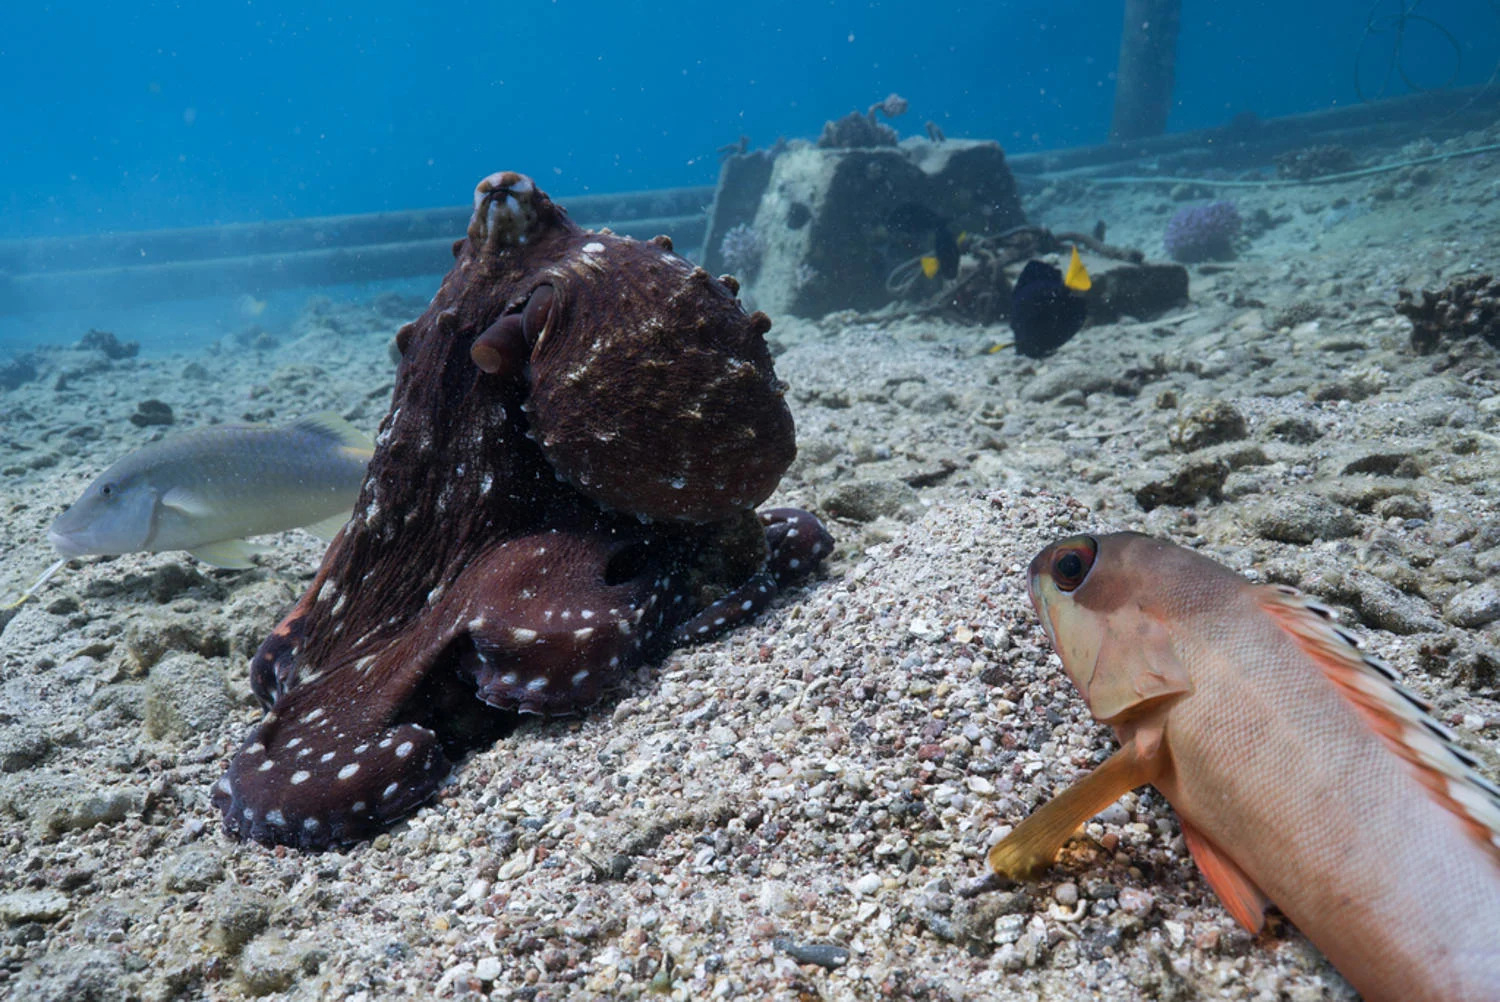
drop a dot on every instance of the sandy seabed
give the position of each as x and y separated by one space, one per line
796 810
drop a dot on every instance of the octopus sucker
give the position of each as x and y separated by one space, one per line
632 490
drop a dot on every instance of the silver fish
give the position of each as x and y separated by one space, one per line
205 490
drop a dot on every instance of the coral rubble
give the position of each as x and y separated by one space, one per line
1469 306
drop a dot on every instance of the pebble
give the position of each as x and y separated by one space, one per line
32 906
1301 518
826 955
1207 424
56 815
194 869
236 916
1192 481
867 500
487 969
22 746
1386 607
269 964
867 885
1136 901
1475 606
1063 379
185 695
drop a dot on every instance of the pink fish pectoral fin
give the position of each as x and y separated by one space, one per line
1241 898
1036 841
1141 669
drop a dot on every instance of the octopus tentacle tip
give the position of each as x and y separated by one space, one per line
581 427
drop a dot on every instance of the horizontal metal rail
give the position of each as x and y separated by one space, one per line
127 269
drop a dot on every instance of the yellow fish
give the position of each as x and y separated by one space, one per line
1077 277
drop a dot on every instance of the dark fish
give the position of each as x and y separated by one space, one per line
1044 312
916 218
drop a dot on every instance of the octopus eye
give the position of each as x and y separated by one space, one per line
1073 560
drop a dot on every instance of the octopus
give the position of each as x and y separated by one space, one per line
563 490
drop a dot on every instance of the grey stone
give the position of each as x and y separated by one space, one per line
867 500
85 807
32 906
236 916
73 976
194 869
1301 518
1473 607
185 695
1057 381
1190 483
270 964
1365 492
22 746
1207 424
1388 608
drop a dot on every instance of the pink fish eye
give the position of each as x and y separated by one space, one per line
1072 561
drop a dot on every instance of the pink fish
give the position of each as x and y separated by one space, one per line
1303 774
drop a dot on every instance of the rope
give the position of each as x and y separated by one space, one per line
1347 175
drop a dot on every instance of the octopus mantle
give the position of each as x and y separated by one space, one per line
564 488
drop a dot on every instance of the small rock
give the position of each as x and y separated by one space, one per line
487 968
1193 481
194 869
1066 893
923 630
867 500
867 885
1302 518
47 905
1403 506
237 915
1205 425
71 976
1387 607
1136 901
1476 606
152 412
22 746
825 955
92 806
1296 430
185 695
269 964
1065 379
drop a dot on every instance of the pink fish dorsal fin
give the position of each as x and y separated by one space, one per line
1394 712
1138 667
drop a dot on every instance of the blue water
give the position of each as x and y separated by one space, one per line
132 116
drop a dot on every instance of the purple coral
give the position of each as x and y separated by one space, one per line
741 250
1203 232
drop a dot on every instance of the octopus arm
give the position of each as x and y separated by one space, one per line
796 542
